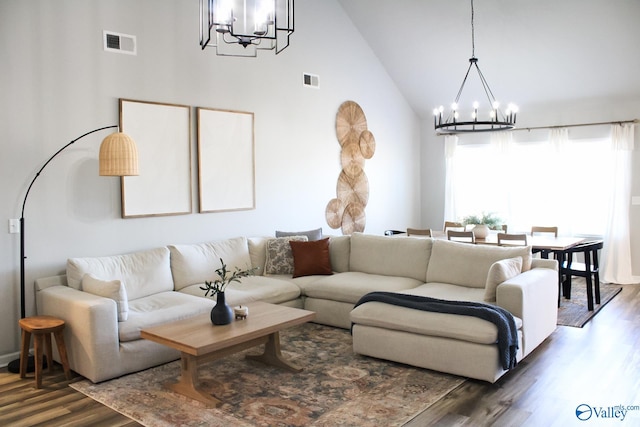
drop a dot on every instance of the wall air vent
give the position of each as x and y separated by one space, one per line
120 43
311 80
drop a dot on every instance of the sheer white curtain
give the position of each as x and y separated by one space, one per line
564 177
450 144
616 254
559 137
537 182
502 148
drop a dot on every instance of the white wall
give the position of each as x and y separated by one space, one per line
56 83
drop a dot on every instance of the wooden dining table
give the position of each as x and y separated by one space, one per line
537 242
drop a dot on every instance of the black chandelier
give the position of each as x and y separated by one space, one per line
242 27
495 120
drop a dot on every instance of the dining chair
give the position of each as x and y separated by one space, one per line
419 232
504 228
505 239
537 229
457 226
590 270
461 236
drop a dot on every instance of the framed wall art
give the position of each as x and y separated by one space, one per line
226 160
162 133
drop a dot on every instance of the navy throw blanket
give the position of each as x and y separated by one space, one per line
504 321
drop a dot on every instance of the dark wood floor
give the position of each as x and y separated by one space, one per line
598 365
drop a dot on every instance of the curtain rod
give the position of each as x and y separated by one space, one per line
635 121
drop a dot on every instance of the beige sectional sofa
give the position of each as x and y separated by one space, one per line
106 301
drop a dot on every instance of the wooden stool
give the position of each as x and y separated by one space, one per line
41 327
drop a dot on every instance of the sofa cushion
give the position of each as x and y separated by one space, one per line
302 282
468 265
500 271
390 256
464 328
351 286
447 291
279 259
312 235
197 263
113 289
253 288
339 251
142 273
258 252
311 258
160 308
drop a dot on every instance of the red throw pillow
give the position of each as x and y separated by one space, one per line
311 258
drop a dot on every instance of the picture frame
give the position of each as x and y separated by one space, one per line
162 133
226 160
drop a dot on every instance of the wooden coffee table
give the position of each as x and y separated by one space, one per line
199 341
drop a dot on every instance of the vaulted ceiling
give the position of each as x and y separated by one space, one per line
534 53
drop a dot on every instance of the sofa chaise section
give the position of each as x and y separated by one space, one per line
461 345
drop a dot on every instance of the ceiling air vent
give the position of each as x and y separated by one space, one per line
311 80
120 43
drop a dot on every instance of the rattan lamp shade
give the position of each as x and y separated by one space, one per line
118 156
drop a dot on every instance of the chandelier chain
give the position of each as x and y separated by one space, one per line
473 33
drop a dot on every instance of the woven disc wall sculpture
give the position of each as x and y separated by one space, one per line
358 144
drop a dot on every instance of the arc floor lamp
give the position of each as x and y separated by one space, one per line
118 157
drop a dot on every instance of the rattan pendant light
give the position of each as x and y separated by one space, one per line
118 156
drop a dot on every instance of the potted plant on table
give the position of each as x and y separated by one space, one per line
222 314
483 223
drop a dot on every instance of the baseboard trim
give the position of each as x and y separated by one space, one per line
6 358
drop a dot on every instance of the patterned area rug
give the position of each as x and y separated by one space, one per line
574 312
335 388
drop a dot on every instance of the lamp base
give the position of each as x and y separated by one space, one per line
14 365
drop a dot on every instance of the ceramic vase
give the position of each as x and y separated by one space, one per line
481 231
221 313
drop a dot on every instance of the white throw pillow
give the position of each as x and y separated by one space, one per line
468 265
279 255
143 273
499 272
113 289
196 263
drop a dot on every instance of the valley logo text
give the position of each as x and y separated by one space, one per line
586 412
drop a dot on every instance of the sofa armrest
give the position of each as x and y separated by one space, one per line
533 297
544 263
91 332
47 282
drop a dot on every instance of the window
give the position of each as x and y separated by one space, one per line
565 183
